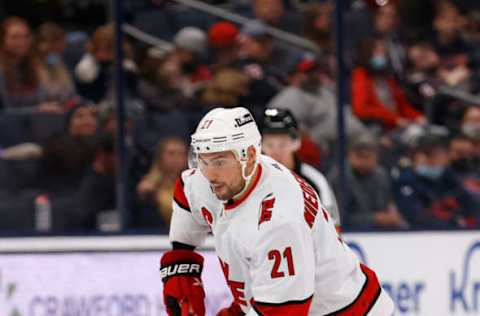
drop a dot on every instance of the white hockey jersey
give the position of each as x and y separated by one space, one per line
278 247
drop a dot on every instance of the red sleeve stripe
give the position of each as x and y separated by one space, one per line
297 308
179 195
367 297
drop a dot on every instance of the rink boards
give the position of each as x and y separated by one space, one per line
436 273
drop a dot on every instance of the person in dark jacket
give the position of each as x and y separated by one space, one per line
428 193
369 201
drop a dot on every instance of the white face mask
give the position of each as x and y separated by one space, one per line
471 130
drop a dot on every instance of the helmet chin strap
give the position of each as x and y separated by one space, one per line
247 178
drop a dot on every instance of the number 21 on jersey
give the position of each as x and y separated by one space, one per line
276 256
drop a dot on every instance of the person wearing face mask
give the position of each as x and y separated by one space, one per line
428 193
369 203
377 98
50 45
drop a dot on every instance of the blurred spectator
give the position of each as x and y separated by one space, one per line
161 82
386 22
95 193
191 49
428 194
223 42
274 13
422 76
470 125
318 25
448 25
465 163
81 127
464 158
369 203
281 140
377 98
261 62
20 84
93 74
158 184
226 89
313 104
55 77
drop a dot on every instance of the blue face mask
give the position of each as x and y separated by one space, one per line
378 62
429 172
53 59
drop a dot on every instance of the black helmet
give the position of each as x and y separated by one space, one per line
280 121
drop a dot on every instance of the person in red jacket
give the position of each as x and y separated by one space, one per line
376 95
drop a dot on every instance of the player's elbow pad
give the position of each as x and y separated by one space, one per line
182 286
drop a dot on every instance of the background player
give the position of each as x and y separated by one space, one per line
281 141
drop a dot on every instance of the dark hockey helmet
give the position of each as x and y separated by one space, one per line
280 121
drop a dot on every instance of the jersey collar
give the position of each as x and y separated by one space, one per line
229 206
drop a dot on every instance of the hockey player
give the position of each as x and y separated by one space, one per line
281 140
277 245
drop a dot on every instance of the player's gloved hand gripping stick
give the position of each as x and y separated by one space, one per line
183 292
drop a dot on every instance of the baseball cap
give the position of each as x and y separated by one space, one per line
222 34
192 39
365 141
306 62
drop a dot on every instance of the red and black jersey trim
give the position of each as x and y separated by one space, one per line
298 308
179 195
367 297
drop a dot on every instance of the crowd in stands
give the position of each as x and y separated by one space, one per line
412 116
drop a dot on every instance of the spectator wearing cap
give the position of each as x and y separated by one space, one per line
427 192
369 199
377 98
223 42
282 140
93 75
313 104
191 49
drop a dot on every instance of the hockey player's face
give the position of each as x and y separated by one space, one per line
280 147
224 173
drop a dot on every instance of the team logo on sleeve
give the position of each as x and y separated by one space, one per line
266 209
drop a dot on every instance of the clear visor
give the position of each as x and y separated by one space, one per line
218 163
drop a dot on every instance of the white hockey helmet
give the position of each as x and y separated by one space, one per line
224 129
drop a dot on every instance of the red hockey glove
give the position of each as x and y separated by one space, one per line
183 292
232 310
